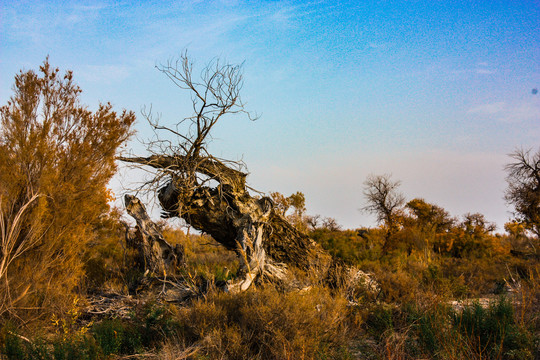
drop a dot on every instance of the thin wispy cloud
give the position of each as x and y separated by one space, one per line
480 68
379 45
290 15
484 71
81 14
515 112
25 25
484 68
91 8
42 24
525 111
196 31
488 109
284 15
475 71
104 74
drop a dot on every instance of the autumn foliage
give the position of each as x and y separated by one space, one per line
56 159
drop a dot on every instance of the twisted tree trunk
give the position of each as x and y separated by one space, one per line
266 243
155 254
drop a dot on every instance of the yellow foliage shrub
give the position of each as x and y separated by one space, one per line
54 147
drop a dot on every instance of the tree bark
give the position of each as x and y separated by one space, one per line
155 253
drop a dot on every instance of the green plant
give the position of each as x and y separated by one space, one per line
379 321
12 345
155 323
75 348
62 347
117 337
492 332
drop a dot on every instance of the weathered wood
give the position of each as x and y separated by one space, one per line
265 242
155 253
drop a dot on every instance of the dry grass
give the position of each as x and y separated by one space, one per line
266 324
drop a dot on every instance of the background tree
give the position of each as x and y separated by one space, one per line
473 236
425 224
524 188
519 238
430 217
56 159
384 201
330 224
293 208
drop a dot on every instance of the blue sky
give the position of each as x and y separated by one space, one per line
437 93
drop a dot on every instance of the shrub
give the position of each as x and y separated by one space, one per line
52 146
437 331
73 347
351 246
493 332
116 337
379 321
204 256
266 324
107 263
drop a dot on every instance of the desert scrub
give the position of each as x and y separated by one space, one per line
267 324
204 256
441 332
493 333
14 346
150 325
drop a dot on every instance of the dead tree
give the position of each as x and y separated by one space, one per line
155 254
210 194
384 200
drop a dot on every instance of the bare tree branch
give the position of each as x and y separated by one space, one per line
384 201
382 197
524 188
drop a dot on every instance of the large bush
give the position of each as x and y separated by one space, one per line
56 158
